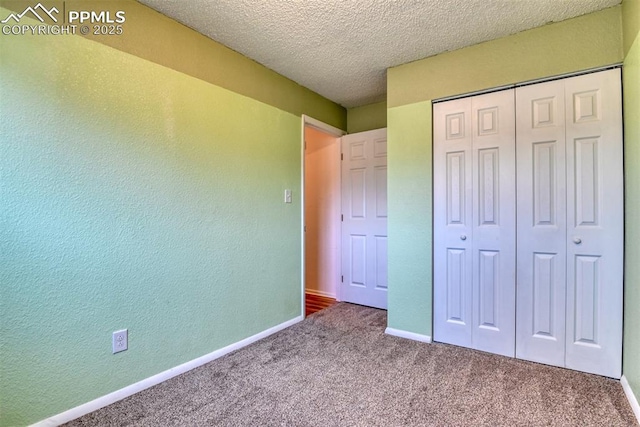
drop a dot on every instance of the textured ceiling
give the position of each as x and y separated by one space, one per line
341 49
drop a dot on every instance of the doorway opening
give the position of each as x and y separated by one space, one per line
321 144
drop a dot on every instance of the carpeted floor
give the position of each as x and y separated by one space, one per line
338 368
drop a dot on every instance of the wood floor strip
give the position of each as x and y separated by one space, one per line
314 303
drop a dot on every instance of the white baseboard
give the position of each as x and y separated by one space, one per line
409 335
633 401
117 395
320 293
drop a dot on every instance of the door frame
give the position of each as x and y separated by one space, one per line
308 121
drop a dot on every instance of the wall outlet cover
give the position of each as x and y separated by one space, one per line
120 341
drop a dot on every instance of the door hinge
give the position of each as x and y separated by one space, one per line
341 217
342 279
341 156
305 228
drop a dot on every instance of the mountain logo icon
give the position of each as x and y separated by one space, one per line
34 11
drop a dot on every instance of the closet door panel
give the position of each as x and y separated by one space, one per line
541 200
452 222
494 239
595 223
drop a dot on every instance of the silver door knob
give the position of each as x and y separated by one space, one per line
463 237
577 240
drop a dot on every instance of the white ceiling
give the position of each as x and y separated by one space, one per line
341 49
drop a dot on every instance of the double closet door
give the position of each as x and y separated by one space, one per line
528 223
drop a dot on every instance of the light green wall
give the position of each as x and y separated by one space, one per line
551 50
367 117
631 96
152 36
409 224
630 23
133 196
576 44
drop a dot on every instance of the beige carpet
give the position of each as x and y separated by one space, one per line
338 368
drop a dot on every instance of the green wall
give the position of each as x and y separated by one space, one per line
575 44
409 223
152 36
134 195
631 96
550 50
630 23
367 117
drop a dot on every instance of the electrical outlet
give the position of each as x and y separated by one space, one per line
120 340
287 196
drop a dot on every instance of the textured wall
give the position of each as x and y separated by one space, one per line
576 44
367 117
410 216
133 196
630 23
156 38
631 96
550 50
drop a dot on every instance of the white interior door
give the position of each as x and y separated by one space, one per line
542 234
364 218
474 222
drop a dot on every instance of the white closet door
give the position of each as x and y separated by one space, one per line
541 223
595 223
570 223
452 222
568 139
474 222
494 222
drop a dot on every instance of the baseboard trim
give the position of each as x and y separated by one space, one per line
409 335
117 395
319 293
633 401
